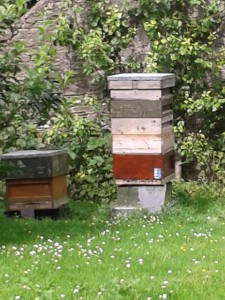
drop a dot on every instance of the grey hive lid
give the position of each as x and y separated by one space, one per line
141 76
32 154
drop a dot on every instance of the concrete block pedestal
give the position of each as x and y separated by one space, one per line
148 198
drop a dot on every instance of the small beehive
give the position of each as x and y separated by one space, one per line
36 179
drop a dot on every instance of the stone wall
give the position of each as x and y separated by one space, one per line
27 30
67 59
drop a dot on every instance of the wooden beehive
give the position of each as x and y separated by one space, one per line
36 180
142 128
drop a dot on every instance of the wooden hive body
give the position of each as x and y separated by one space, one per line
37 179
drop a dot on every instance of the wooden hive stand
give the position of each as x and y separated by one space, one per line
36 181
142 139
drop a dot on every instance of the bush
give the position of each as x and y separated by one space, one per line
197 195
89 151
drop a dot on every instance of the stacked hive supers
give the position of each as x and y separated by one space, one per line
142 137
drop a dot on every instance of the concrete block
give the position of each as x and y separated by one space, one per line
148 198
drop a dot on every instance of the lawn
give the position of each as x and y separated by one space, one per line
177 255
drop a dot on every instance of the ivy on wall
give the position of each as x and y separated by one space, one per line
109 30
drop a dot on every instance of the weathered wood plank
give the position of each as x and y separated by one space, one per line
140 144
138 94
140 108
135 109
167 141
141 85
120 85
167 131
166 83
151 126
167 116
136 126
136 144
141 76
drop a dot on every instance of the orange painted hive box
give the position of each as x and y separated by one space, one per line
36 179
143 167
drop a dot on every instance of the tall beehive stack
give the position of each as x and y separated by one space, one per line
142 138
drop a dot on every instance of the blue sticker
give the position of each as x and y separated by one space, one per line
157 173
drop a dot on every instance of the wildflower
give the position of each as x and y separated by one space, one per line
62 296
76 290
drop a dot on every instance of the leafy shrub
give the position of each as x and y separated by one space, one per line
89 151
25 101
197 195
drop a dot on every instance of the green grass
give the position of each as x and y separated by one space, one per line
178 255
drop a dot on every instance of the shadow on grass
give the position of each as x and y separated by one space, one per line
83 219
